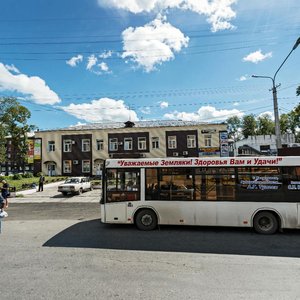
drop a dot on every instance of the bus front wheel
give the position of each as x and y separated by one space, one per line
146 220
265 222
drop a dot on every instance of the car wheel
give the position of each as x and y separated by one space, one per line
265 222
79 191
146 219
65 193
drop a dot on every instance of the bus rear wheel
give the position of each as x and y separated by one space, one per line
146 220
265 222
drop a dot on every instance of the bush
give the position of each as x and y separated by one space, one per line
2 178
17 176
28 175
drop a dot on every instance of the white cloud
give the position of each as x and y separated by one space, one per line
243 78
35 87
74 60
205 114
267 113
12 68
104 67
257 56
153 43
218 12
163 104
146 110
104 109
236 104
92 60
106 54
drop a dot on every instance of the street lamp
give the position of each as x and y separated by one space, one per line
275 102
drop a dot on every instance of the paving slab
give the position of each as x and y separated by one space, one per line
50 194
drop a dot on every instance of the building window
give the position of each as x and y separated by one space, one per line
142 143
207 140
51 146
113 144
67 166
191 141
86 145
155 142
67 145
127 143
99 145
86 166
172 142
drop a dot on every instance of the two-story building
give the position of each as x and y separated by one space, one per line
81 150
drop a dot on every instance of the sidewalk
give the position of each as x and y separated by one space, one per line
50 194
46 186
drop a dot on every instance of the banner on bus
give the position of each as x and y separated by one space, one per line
204 162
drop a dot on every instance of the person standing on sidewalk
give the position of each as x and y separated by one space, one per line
5 192
41 183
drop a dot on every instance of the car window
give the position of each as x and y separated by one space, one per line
72 180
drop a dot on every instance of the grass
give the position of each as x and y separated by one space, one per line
26 183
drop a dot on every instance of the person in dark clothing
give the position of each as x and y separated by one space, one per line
5 192
41 183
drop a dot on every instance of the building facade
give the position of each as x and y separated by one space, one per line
262 144
13 164
81 150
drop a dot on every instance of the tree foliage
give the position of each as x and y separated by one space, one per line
234 128
13 120
265 125
249 125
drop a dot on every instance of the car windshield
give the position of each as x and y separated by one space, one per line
72 180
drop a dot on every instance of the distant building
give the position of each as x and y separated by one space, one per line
81 150
12 164
262 145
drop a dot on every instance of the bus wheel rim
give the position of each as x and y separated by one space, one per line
265 223
146 220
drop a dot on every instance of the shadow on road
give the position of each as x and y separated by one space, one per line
241 241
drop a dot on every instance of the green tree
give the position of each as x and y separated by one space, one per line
284 123
234 125
265 125
249 125
296 120
298 91
13 118
2 143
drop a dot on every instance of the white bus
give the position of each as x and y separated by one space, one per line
258 192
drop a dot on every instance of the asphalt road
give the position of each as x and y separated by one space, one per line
60 250
91 233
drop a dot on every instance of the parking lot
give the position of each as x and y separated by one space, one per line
50 194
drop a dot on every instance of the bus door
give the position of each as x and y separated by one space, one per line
210 188
216 184
214 187
122 189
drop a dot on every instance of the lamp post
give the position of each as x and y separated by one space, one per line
275 101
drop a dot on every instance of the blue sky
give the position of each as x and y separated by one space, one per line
76 62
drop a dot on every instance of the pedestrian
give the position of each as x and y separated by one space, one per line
2 203
41 183
5 192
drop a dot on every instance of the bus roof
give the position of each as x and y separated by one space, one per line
259 161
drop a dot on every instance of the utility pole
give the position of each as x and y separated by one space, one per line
275 101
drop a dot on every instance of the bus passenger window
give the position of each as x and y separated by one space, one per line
123 185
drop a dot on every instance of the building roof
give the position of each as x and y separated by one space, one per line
137 124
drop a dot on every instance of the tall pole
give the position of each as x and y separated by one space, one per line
275 100
276 117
